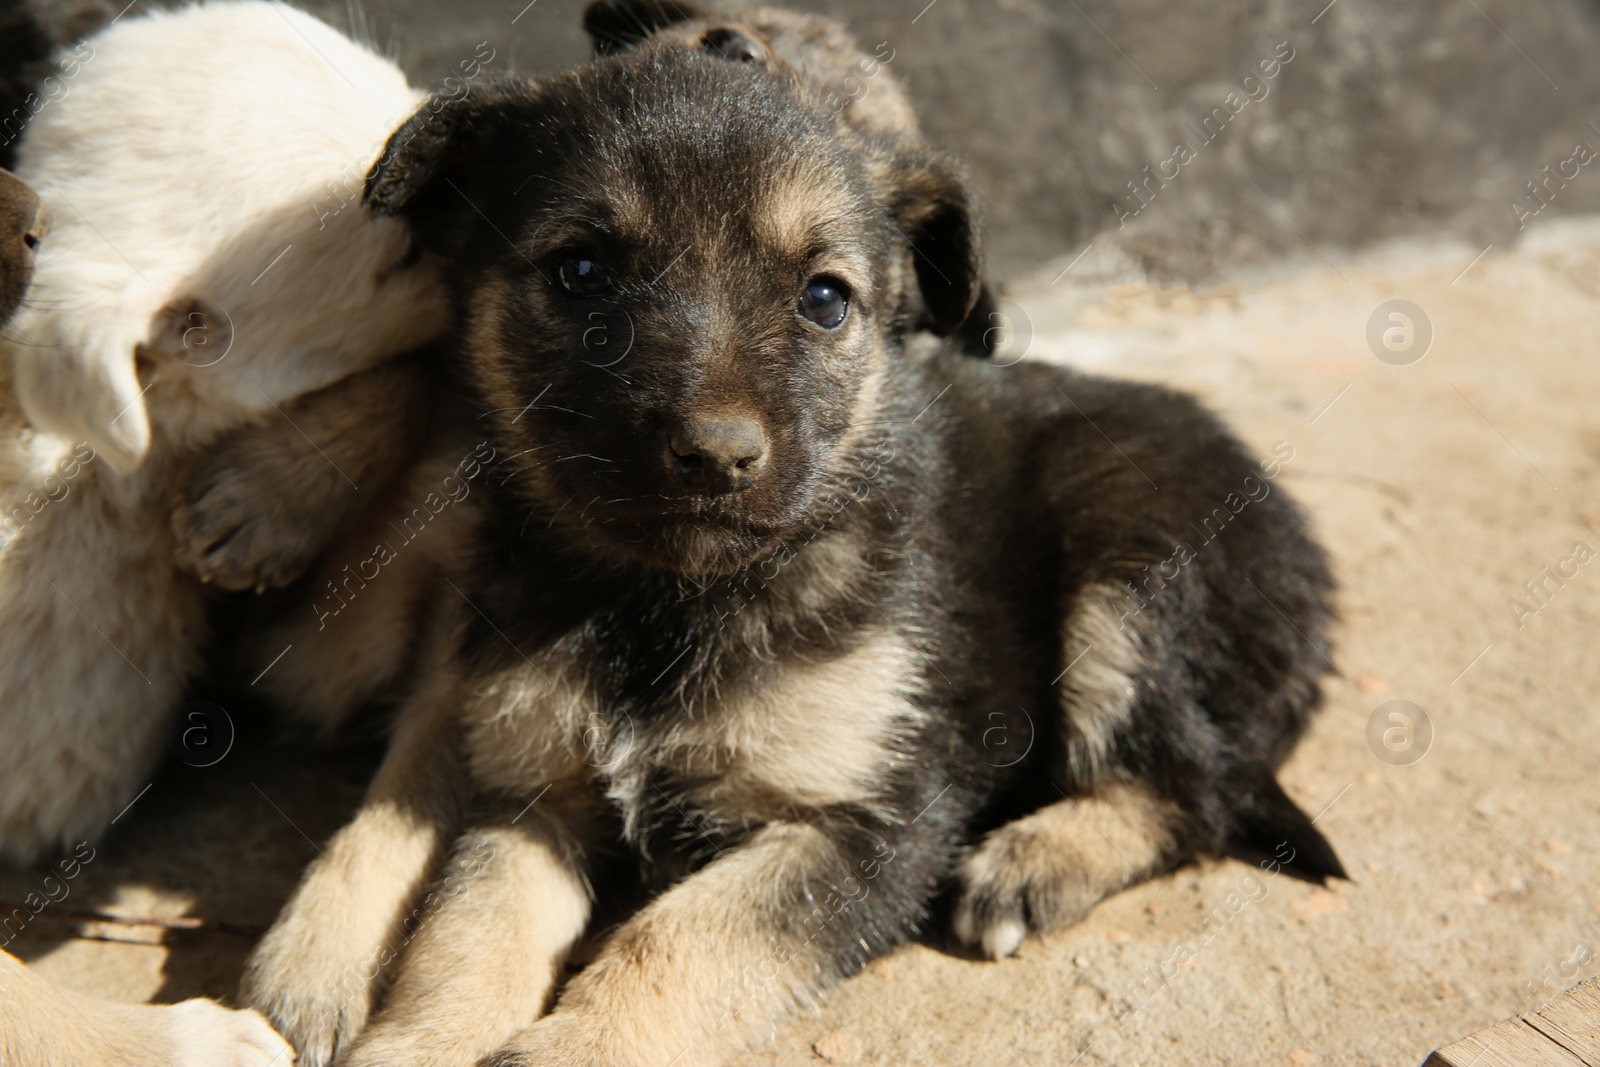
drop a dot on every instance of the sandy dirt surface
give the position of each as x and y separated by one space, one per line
1442 484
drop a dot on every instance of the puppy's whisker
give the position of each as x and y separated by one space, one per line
26 343
524 452
497 411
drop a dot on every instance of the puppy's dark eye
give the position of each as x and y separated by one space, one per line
825 302
732 45
583 274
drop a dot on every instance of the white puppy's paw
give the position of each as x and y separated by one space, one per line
202 1033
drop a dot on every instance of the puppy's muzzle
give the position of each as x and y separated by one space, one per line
33 218
24 222
713 456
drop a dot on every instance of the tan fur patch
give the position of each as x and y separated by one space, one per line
486 962
802 735
1049 868
805 735
829 569
537 724
490 365
802 205
1103 654
705 969
794 201
818 575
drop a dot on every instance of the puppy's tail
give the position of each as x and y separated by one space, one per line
1276 825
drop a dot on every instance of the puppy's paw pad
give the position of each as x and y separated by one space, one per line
205 1034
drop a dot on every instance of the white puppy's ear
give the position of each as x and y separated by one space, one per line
190 330
90 392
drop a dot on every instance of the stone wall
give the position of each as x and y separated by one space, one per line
1381 119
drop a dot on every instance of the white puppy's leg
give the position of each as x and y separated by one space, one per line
93 655
318 971
42 1025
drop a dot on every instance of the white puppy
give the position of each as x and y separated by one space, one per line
210 264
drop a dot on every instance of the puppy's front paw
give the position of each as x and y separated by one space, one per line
233 534
1012 886
202 1033
316 1001
317 1027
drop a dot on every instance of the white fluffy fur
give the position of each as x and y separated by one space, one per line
194 148
46 1026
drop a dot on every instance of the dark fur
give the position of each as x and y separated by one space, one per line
855 86
31 31
970 509
849 82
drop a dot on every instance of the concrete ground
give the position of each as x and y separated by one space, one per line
1442 485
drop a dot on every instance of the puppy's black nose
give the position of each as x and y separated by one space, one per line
714 456
39 228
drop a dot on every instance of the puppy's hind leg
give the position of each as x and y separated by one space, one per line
1049 868
1118 828
42 1025
487 950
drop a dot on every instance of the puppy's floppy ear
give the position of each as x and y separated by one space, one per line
617 25
980 334
191 330
435 149
88 390
929 198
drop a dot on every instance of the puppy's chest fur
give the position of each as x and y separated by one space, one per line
751 701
